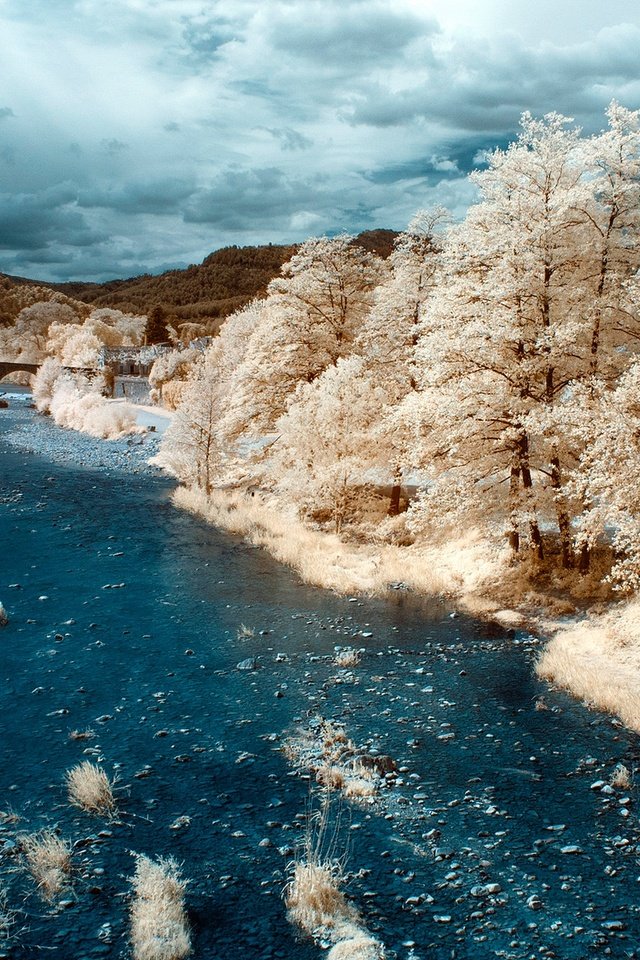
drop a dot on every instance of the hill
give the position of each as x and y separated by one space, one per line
225 281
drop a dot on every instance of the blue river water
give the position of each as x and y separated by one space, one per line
124 614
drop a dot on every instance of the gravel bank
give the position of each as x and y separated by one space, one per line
23 427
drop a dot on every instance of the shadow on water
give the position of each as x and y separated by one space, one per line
125 620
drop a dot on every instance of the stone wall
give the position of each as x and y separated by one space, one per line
134 389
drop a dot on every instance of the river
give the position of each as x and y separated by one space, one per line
124 616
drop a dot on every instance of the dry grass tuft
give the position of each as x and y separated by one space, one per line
347 658
621 777
48 859
360 947
331 777
314 899
159 926
245 632
87 734
359 788
90 788
313 896
7 917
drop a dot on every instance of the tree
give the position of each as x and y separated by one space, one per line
318 458
389 338
310 318
498 341
156 328
607 479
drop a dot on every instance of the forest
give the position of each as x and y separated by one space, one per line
482 377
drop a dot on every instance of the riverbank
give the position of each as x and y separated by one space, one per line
595 656
39 434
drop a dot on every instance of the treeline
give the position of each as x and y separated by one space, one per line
224 282
493 364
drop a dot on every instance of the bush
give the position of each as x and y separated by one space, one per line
48 859
90 789
159 927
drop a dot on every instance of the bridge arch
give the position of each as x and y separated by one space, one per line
10 369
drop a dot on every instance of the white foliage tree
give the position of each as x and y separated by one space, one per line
317 461
310 319
498 343
388 341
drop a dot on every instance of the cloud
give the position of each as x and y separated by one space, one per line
148 132
154 197
290 139
37 221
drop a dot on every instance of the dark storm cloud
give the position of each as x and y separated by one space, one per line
346 36
33 222
177 126
156 197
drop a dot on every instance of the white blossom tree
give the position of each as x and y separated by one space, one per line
318 459
497 345
310 318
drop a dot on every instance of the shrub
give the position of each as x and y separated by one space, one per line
48 859
6 917
159 927
90 789
621 777
347 657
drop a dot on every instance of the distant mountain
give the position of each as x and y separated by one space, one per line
206 293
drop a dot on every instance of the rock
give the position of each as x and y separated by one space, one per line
572 849
613 925
180 823
485 890
534 902
251 663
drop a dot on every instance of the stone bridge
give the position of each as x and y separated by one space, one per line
12 366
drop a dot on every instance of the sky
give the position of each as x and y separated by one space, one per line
140 135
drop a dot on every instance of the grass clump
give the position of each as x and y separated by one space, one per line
159 926
245 632
87 734
347 658
48 859
90 788
7 918
359 947
313 896
621 777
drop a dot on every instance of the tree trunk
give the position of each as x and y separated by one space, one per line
394 501
564 522
514 533
584 561
527 483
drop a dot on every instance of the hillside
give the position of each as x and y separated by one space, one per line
225 281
